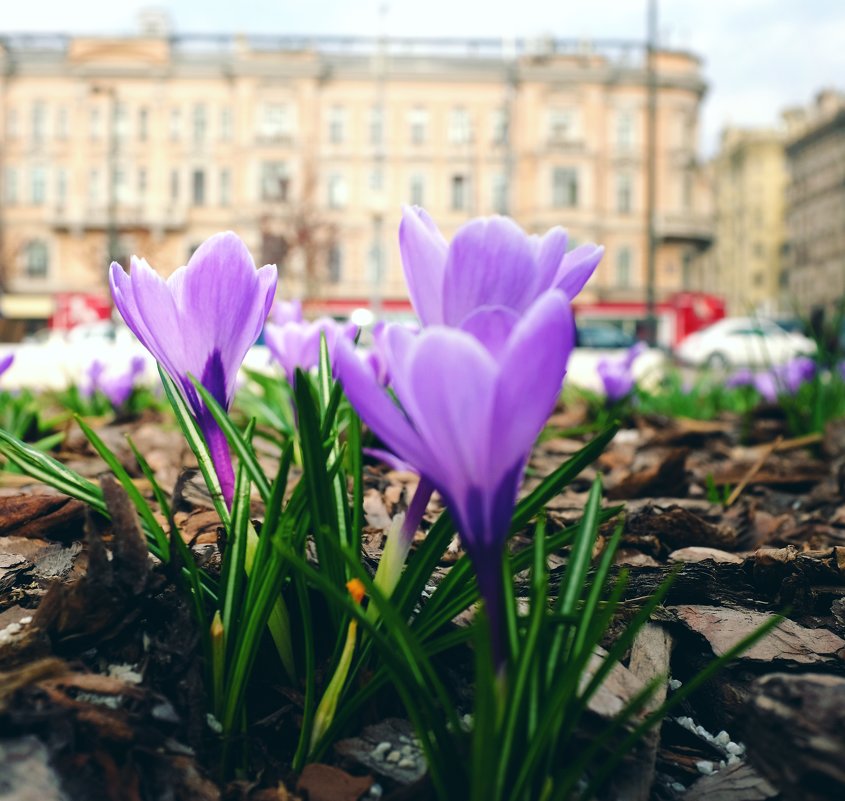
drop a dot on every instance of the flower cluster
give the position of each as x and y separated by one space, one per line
781 380
118 389
477 384
617 375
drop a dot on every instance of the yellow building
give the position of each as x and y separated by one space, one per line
814 258
749 179
307 147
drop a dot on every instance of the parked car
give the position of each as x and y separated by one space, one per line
743 341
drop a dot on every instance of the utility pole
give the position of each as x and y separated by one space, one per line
651 172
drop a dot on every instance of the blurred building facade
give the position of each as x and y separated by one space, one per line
308 147
748 176
814 256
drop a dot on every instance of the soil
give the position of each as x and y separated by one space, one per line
101 687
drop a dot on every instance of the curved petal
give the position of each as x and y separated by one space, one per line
576 268
423 250
532 371
375 408
490 263
551 251
449 398
491 326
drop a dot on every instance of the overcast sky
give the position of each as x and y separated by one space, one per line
759 55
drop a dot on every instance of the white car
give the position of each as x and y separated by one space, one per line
743 342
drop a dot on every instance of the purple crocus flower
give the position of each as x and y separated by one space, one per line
490 262
6 362
296 344
201 321
473 401
796 372
744 377
617 375
118 389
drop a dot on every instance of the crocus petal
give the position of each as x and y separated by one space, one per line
449 398
423 250
6 362
576 268
532 370
490 263
551 252
376 409
224 301
491 325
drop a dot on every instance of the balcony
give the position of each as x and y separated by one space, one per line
685 227
125 216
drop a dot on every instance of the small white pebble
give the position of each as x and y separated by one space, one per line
722 738
24 621
675 684
215 725
404 738
13 628
380 750
735 749
406 762
733 760
705 767
394 757
678 787
376 791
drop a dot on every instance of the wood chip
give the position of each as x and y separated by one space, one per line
788 642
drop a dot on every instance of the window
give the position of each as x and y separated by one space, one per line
38 186
623 268
274 181
95 123
143 123
564 187
61 123
198 187
275 122
376 125
418 120
416 190
337 124
226 124
562 125
625 130
93 186
175 124
460 131
225 187
623 193
376 179
12 131
375 263
61 186
334 263
121 186
499 199
338 191
499 126
37 259
686 271
200 122
686 190
142 182
121 121
10 190
174 186
460 193
39 122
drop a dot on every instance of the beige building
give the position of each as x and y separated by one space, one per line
749 178
814 260
308 147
